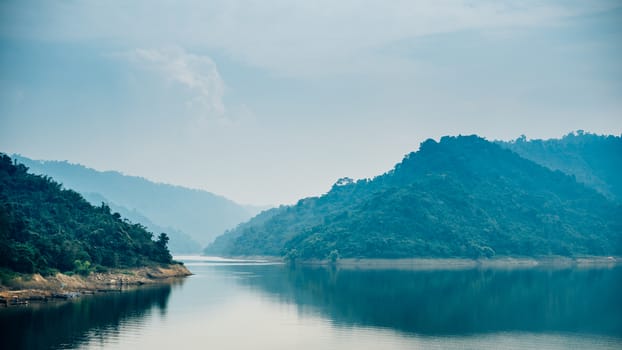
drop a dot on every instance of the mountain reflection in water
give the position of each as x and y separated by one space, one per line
67 324
454 302
238 305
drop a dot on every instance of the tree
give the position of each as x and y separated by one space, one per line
45 228
163 240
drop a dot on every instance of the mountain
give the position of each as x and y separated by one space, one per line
45 228
460 197
192 213
180 243
595 160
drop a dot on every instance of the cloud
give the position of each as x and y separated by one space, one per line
293 38
310 39
198 73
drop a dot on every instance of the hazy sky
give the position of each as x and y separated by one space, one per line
266 102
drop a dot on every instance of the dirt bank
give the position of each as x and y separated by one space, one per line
36 288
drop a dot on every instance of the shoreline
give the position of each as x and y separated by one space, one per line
431 263
27 289
464 263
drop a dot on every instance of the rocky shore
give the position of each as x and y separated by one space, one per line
35 288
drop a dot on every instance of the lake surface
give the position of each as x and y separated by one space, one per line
234 305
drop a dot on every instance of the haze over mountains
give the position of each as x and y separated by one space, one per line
45 228
463 196
192 218
460 197
594 160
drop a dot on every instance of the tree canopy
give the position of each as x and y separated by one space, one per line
592 159
460 197
45 228
190 217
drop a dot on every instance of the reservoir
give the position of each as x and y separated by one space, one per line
231 304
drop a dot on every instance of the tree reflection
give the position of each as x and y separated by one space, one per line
66 324
456 301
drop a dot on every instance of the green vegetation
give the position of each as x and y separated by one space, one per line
192 218
592 159
45 228
460 197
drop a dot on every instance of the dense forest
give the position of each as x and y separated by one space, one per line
45 228
191 217
460 197
594 160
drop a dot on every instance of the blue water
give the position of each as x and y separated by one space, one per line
239 305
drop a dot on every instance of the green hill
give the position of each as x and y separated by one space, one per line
460 197
180 243
595 160
192 217
45 228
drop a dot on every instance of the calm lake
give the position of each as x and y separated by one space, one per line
233 305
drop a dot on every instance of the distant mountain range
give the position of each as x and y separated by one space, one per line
461 197
46 229
192 218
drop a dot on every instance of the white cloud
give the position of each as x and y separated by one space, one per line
294 38
311 38
378 89
198 73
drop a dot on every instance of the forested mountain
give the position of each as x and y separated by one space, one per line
460 197
198 214
180 243
45 228
594 160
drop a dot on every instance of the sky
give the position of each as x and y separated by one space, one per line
266 102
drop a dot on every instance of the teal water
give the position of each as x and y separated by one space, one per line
233 305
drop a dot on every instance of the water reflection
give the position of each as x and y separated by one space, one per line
226 306
68 324
584 301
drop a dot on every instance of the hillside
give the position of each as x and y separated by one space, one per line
192 213
180 243
460 197
594 160
45 228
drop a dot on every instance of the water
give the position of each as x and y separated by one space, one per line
236 305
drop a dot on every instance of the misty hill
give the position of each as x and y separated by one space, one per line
45 228
180 243
594 160
198 214
460 197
